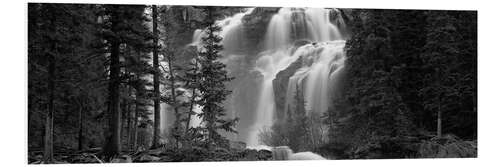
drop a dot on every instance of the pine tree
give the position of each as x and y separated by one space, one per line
213 78
376 112
118 23
191 79
440 49
191 76
156 80
59 44
172 84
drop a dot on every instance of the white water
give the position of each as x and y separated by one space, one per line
278 31
231 30
269 64
285 153
318 63
321 60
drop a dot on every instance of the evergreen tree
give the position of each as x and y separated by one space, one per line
441 48
172 84
405 71
59 49
191 78
376 113
156 79
212 80
121 25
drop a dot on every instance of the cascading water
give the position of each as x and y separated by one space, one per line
269 64
321 55
230 30
320 60
320 64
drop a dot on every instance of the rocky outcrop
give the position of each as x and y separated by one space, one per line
237 145
280 85
255 28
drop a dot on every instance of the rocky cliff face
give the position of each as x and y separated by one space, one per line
280 85
255 29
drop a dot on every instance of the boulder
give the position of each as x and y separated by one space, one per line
237 145
148 158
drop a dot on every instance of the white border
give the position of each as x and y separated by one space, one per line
14 78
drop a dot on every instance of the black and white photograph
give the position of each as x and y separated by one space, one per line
167 83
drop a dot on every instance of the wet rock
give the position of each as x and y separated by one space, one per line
250 155
86 158
122 159
280 85
155 152
237 145
265 155
148 158
301 42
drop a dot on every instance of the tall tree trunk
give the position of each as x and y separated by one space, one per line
173 97
113 142
136 118
49 121
129 120
191 107
439 121
123 107
80 127
193 98
156 82
439 105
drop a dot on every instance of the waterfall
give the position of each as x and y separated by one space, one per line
269 64
231 31
278 31
293 34
320 60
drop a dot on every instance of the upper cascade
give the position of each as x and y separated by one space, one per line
292 24
231 30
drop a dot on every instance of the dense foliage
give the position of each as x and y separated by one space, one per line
67 72
90 79
405 71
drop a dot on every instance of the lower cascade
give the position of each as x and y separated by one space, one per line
285 153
